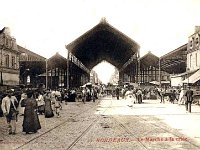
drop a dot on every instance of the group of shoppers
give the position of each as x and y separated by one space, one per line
10 110
31 104
88 94
184 96
136 94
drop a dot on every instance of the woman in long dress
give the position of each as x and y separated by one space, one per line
31 121
130 97
48 109
182 97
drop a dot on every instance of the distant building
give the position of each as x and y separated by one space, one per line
31 66
94 77
115 77
9 59
150 73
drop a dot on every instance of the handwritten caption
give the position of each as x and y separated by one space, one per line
142 139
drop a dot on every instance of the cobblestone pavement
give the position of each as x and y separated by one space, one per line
111 124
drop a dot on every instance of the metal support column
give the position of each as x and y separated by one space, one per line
46 73
68 69
139 75
159 72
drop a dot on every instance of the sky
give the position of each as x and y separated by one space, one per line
46 26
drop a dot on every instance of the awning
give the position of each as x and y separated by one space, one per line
165 82
155 82
158 83
184 74
193 78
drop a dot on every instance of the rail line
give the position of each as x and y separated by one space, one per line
62 123
129 132
123 126
88 128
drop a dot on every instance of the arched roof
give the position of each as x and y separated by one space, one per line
103 42
174 62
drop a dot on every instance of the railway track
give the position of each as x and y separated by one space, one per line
125 128
119 122
88 128
59 125
72 145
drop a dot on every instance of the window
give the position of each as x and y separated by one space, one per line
190 61
191 44
197 41
13 62
7 61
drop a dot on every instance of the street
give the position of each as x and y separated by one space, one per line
111 124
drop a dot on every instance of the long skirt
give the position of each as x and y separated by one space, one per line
48 109
31 121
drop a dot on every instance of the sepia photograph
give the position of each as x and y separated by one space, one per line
99 74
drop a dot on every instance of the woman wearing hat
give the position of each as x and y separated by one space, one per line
31 121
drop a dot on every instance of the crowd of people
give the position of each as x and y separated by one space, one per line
136 94
31 103
183 96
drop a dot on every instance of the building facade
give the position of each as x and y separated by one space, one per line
94 79
193 58
191 75
9 59
193 50
150 72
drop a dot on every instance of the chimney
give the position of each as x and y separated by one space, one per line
197 29
7 31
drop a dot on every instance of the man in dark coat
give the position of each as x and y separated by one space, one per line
117 93
189 95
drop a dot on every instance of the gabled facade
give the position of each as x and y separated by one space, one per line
149 70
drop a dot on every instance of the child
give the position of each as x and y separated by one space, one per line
57 107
